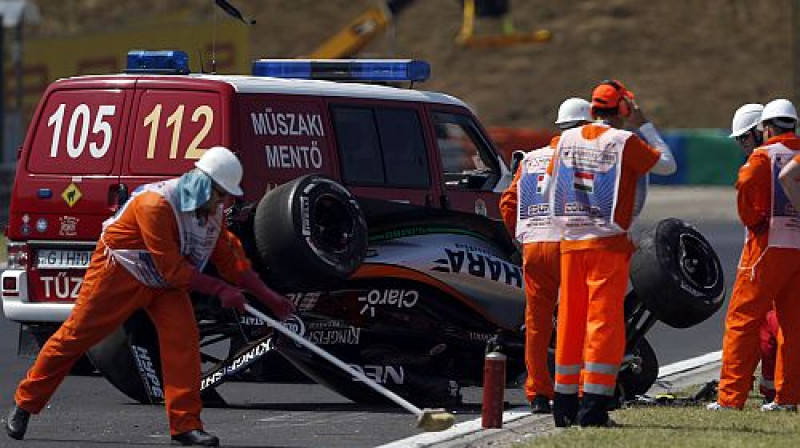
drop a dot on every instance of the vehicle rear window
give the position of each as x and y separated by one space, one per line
381 146
77 132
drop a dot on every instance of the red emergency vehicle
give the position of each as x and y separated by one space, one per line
94 139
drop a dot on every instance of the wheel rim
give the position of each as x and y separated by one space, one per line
697 262
333 228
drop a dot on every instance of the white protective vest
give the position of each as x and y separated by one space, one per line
534 223
198 237
586 178
784 222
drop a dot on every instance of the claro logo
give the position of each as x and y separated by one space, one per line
148 372
399 298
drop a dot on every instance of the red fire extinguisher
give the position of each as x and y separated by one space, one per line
494 388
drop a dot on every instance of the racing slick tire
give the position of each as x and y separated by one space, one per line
130 360
677 274
310 233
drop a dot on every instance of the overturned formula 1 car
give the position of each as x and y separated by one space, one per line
412 297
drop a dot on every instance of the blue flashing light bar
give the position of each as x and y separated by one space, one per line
344 69
168 62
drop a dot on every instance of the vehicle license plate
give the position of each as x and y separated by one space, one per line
63 259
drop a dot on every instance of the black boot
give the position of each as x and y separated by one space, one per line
594 410
565 409
195 437
17 422
540 405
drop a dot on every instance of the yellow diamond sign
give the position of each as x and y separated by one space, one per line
71 195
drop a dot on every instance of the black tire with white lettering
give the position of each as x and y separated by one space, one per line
677 274
130 358
310 233
119 356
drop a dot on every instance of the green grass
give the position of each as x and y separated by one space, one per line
684 427
678 427
3 254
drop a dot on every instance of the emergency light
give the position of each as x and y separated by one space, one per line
344 69
166 62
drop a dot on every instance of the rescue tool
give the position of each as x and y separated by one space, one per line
427 419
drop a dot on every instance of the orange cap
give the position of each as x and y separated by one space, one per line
609 94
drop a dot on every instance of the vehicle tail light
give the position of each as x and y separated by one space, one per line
19 255
10 285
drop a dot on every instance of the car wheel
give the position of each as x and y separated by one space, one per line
677 274
119 356
130 357
310 233
637 377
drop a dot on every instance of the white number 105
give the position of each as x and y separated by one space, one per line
78 130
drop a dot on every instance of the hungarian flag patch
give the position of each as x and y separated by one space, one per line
584 181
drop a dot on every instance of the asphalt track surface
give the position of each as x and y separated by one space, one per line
88 412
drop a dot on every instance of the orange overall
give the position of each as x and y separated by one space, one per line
767 277
541 266
769 355
590 340
109 294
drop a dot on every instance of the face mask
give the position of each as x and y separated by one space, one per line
195 190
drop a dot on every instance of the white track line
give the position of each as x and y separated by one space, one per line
472 426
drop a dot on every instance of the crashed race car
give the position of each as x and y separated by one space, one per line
435 291
373 207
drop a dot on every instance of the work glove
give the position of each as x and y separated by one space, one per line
280 306
229 295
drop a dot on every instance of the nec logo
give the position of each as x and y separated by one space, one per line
382 374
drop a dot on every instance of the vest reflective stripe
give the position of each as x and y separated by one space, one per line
598 389
534 223
586 180
198 237
784 223
597 367
570 389
568 369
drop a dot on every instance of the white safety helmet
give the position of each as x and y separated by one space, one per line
573 110
223 167
780 110
745 118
